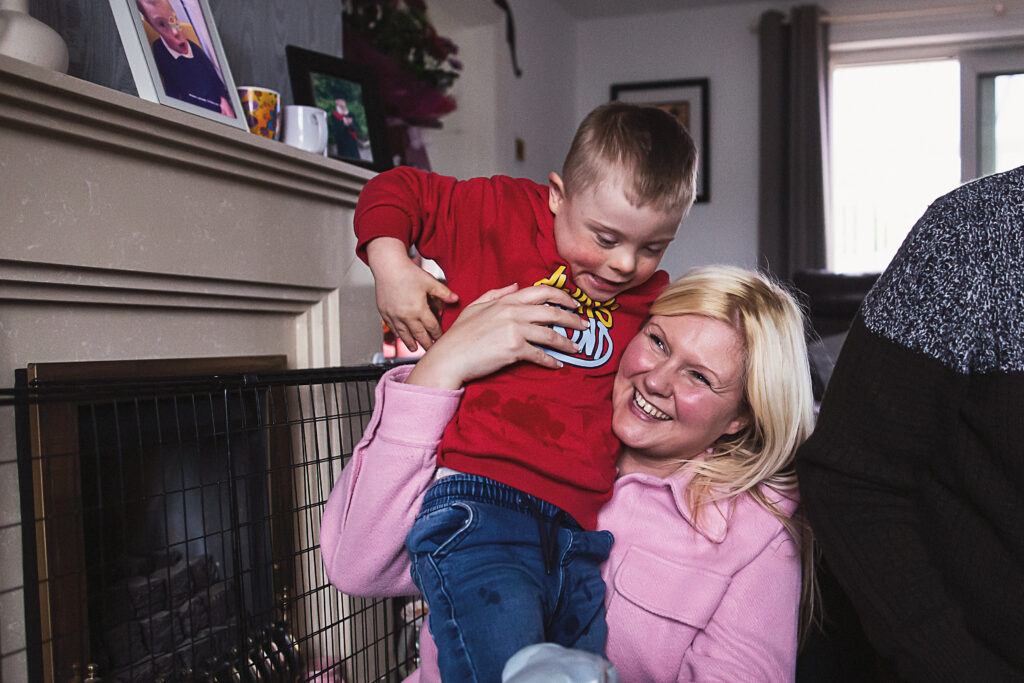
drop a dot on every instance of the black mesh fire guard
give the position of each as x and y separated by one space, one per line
170 530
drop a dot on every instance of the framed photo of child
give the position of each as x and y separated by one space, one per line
176 57
349 93
687 100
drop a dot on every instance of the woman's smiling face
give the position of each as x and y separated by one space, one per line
680 386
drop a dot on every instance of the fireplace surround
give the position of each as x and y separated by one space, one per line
133 231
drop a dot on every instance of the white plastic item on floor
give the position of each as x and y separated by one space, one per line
551 663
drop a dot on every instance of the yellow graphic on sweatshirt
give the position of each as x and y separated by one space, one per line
595 342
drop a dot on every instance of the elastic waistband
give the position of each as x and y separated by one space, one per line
473 487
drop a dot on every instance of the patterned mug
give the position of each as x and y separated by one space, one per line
262 107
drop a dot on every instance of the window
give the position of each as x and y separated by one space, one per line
895 147
905 132
1000 113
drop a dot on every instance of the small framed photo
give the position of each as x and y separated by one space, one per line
687 100
176 57
349 93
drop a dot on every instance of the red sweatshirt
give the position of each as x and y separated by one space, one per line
545 432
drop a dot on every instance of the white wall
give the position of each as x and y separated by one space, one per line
714 43
495 107
540 106
467 144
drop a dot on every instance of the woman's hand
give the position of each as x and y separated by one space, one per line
502 327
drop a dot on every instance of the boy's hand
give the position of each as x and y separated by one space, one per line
406 294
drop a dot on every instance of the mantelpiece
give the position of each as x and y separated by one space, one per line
135 231
114 202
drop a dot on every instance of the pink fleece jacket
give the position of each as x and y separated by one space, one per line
718 603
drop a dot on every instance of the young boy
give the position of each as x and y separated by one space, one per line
343 136
529 459
187 73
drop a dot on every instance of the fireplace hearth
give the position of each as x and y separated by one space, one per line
177 521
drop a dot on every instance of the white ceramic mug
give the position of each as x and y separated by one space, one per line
306 128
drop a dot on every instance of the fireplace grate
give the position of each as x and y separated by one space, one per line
170 531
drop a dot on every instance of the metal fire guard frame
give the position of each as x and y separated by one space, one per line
228 528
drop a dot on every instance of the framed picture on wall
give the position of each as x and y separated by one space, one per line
349 93
176 57
687 100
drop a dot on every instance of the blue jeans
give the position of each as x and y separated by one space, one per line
500 570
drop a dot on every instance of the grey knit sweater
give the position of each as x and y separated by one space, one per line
914 477
955 290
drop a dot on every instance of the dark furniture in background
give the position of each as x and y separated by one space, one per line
832 301
833 298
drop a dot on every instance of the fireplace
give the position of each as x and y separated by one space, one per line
177 516
133 232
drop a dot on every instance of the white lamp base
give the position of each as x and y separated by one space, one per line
24 37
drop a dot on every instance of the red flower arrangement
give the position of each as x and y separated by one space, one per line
415 66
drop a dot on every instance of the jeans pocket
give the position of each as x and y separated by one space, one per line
591 547
437 533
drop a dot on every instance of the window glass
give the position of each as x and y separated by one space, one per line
895 147
1001 113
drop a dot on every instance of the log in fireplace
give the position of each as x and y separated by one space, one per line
175 526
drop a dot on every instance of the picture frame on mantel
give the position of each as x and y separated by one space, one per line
350 94
176 57
687 100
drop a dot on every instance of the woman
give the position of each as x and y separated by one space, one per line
711 399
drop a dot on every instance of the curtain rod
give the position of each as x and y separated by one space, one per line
997 9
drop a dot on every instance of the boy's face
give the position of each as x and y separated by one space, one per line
609 244
163 20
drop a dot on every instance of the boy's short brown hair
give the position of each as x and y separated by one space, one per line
650 144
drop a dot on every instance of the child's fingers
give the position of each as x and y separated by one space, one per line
440 291
432 329
408 340
425 338
421 336
419 328
406 334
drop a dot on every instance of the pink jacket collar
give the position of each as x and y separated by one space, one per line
712 519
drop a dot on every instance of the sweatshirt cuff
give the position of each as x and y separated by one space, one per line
382 221
415 414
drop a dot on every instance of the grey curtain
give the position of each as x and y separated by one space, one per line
793 194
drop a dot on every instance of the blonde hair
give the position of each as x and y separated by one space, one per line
648 144
757 460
